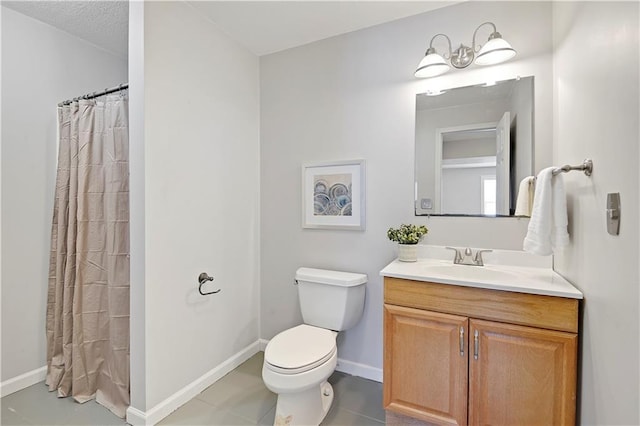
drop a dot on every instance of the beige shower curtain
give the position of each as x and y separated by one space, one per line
88 299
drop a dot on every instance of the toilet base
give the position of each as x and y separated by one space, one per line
304 408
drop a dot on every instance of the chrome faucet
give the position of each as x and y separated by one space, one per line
468 258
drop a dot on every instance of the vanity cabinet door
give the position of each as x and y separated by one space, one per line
521 375
426 365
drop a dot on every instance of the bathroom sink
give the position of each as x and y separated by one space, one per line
507 270
465 272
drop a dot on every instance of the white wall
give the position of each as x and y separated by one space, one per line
596 115
353 96
462 189
41 66
201 201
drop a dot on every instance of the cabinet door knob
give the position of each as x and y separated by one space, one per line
461 341
475 345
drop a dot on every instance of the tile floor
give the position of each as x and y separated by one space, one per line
239 398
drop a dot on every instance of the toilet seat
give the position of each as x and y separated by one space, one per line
300 349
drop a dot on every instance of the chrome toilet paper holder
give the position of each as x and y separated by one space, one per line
203 278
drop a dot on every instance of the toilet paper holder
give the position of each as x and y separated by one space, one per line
203 278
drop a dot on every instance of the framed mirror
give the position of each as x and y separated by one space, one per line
473 146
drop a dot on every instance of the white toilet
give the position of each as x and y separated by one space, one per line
298 361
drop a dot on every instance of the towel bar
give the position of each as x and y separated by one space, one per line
586 167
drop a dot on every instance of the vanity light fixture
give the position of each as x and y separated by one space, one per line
494 51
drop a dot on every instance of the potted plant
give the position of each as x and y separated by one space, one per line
407 237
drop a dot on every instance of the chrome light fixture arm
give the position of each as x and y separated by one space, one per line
432 49
476 47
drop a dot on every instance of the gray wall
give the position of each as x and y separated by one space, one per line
522 112
353 96
596 115
426 134
41 66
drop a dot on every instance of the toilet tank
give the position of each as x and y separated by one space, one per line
330 299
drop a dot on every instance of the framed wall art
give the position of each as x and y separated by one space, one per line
333 195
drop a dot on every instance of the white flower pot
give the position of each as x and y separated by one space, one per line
407 252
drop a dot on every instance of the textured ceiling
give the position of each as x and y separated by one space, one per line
102 23
263 27
269 26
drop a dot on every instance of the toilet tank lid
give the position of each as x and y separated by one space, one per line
325 276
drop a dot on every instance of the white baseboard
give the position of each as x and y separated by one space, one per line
23 381
349 367
263 344
360 370
138 417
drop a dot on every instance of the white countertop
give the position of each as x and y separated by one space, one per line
498 276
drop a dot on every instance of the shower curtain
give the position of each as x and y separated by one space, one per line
88 298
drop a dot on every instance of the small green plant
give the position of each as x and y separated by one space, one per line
407 234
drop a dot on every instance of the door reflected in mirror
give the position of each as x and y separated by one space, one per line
473 146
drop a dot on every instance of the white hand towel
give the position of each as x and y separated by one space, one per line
524 202
547 230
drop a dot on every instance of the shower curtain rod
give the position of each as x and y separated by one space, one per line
122 86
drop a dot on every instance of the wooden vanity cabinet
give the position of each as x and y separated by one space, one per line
460 355
425 373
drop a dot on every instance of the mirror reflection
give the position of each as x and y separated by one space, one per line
473 146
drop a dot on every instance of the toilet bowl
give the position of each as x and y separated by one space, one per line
297 364
298 361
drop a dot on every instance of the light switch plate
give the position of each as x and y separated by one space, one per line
425 204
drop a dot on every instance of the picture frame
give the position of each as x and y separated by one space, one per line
333 195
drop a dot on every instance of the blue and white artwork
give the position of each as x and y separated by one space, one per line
332 195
